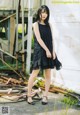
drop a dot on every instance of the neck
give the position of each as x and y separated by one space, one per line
42 22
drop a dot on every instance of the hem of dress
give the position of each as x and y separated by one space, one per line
42 68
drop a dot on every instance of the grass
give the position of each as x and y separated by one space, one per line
70 100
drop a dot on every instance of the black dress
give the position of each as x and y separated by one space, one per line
40 60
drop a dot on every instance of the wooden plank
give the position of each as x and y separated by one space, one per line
10 67
7 17
7 53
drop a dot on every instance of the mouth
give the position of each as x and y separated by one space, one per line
43 17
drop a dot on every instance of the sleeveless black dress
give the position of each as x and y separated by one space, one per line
40 60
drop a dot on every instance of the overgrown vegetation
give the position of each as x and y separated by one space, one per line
70 100
4 66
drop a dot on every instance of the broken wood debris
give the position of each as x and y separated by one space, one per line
15 89
10 80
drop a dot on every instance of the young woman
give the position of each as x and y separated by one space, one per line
43 52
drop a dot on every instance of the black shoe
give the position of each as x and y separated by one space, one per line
31 103
45 102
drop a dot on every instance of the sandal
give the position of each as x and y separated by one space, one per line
32 102
46 100
36 97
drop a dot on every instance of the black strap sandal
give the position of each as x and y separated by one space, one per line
36 97
45 102
32 102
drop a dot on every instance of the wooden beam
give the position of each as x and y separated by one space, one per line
7 18
10 67
8 54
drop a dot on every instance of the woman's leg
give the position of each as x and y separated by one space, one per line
47 74
30 83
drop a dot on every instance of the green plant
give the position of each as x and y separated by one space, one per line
70 100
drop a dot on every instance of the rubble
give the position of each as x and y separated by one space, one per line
15 89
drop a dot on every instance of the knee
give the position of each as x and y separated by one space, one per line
33 75
48 77
47 74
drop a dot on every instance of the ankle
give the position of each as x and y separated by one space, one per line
29 99
45 97
29 95
44 100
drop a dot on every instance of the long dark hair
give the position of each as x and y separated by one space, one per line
46 9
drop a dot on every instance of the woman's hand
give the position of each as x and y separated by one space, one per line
48 54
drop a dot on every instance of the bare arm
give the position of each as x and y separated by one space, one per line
40 41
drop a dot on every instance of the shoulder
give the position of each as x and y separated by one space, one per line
34 24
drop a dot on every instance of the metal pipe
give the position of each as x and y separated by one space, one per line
17 1
16 25
30 6
23 34
23 25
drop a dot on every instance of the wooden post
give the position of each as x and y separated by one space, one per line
8 34
12 34
16 61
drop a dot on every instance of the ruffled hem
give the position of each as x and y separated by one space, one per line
39 65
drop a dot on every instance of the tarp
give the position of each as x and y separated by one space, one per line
65 19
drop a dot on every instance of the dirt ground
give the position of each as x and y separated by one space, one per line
54 107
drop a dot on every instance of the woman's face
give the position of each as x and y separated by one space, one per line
43 15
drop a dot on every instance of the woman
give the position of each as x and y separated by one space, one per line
43 52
